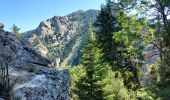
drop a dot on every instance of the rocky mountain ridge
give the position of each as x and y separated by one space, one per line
60 37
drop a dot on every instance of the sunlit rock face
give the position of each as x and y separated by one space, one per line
31 74
61 37
53 86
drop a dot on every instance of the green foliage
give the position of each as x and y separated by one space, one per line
38 41
76 72
63 49
15 30
1 73
105 23
131 47
4 83
161 42
89 86
53 52
94 80
143 94
160 74
114 88
119 36
118 43
121 39
155 72
154 91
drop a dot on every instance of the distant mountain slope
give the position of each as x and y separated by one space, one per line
57 37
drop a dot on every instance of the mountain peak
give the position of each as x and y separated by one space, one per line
61 34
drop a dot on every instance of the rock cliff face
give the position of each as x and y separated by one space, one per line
60 37
31 77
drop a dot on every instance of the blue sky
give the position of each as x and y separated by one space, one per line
27 14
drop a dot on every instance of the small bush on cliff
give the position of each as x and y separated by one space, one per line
15 30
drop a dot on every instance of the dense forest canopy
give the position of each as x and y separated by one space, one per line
114 54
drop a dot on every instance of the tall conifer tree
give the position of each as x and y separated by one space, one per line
107 24
119 37
90 85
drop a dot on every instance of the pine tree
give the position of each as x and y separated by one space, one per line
15 30
107 24
119 37
90 86
114 88
131 54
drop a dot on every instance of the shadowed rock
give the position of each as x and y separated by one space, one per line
31 77
1 26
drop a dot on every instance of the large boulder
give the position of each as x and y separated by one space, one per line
52 85
1 26
31 74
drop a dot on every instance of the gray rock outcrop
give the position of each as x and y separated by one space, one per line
31 77
1 26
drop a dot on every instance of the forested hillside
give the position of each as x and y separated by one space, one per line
120 52
127 53
61 38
